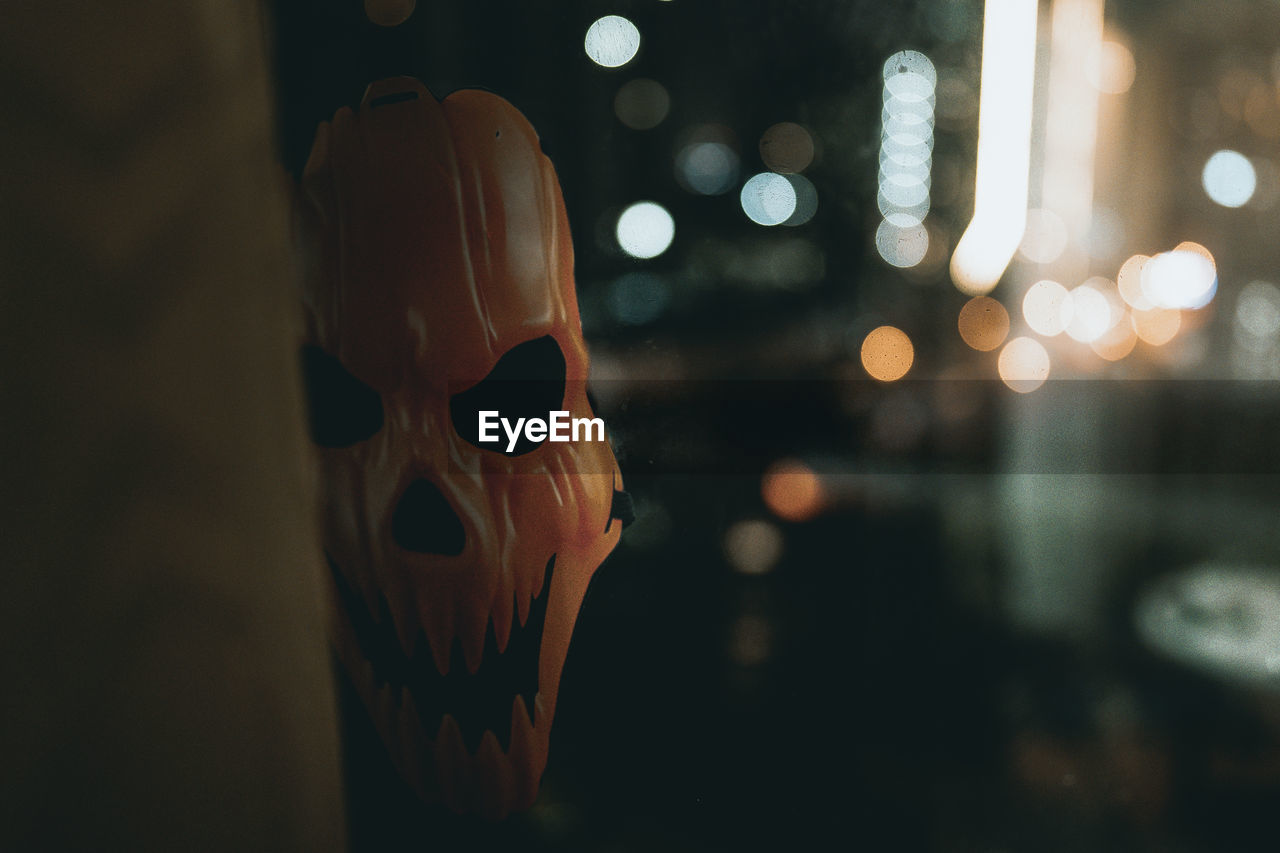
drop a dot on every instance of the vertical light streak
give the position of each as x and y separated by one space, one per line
1004 146
1071 124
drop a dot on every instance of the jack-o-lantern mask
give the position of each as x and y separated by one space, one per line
440 284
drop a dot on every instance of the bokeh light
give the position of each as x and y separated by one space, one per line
984 323
1117 342
1199 249
792 491
887 354
906 190
754 546
1045 239
1047 307
787 147
1115 70
612 41
1229 178
910 69
768 199
1183 278
1129 283
642 104
906 157
902 243
1156 326
900 216
1091 314
1258 312
645 230
1023 364
937 251
707 168
806 200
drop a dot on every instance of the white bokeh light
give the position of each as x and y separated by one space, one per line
1229 178
906 156
902 240
645 230
1179 279
1048 308
910 63
612 41
1023 364
768 198
1091 314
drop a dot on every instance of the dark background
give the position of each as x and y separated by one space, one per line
875 689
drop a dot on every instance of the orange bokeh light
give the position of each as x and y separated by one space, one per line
1117 342
792 491
887 353
1157 326
984 323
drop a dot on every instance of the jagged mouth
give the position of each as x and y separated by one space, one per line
479 702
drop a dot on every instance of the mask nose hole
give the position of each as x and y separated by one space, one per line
425 523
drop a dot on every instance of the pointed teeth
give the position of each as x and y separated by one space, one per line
521 730
438 626
493 777
532 587
526 759
452 764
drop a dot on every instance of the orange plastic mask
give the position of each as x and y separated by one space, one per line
440 267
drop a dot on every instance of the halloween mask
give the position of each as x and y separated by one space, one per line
440 284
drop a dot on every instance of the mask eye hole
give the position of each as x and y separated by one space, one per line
527 382
342 410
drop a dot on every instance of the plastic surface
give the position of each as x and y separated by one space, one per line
437 243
